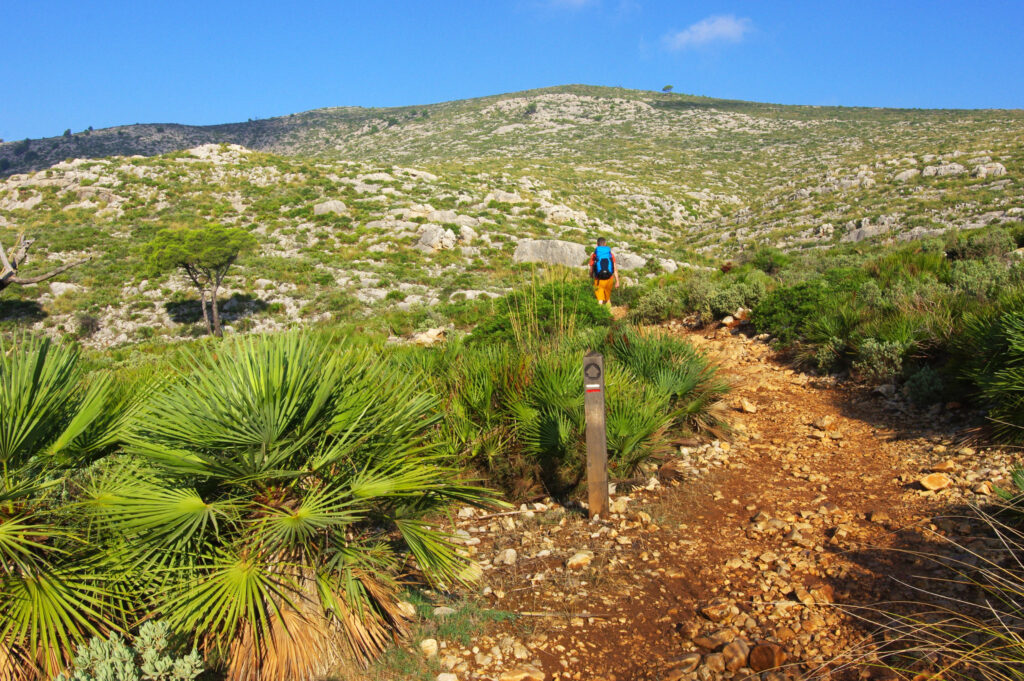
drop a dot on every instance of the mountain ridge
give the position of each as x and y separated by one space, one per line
277 133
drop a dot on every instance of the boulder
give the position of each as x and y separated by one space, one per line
715 663
683 666
503 197
467 234
560 214
989 170
944 170
59 288
429 337
506 557
862 233
333 206
550 251
907 175
407 609
717 609
435 238
629 261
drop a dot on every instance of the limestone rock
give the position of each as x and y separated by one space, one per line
333 206
428 647
59 288
629 261
503 197
735 654
447 676
715 663
944 170
766 655
936 481
407 609
467 234
550 251
580 560
747 406
506 557
429 337
683 666
435 238
443 611
523 673
947 466
907 175
989 170
717 609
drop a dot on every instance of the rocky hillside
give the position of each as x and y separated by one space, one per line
369 210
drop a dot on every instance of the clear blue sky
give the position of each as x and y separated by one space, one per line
110 62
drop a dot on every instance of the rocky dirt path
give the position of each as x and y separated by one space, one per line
739 558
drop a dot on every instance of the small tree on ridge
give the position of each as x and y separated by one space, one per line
205 254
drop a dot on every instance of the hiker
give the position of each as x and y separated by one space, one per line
602 269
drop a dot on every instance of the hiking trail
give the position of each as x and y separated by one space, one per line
741 557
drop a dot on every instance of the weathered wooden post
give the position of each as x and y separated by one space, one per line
597 446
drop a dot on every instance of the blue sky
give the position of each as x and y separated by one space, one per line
102 63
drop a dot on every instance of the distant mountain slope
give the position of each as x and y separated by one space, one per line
437 203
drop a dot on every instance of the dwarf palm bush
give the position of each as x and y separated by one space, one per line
274 491
54 588
672 368
992 352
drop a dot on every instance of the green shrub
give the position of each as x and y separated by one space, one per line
715 295
986 243
769 260
150 658
657 305
879 361
924 386
782 312
984 278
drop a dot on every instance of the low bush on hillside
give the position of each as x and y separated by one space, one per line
937 316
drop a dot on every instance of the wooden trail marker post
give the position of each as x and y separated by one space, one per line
597 445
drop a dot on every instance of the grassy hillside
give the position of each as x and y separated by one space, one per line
437 198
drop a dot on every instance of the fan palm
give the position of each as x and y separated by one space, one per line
54 591
278 489
673 368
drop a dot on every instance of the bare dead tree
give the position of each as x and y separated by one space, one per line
11 262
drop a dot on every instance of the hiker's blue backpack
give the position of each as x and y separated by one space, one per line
604 266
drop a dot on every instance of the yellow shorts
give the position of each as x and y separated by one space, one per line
603 289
